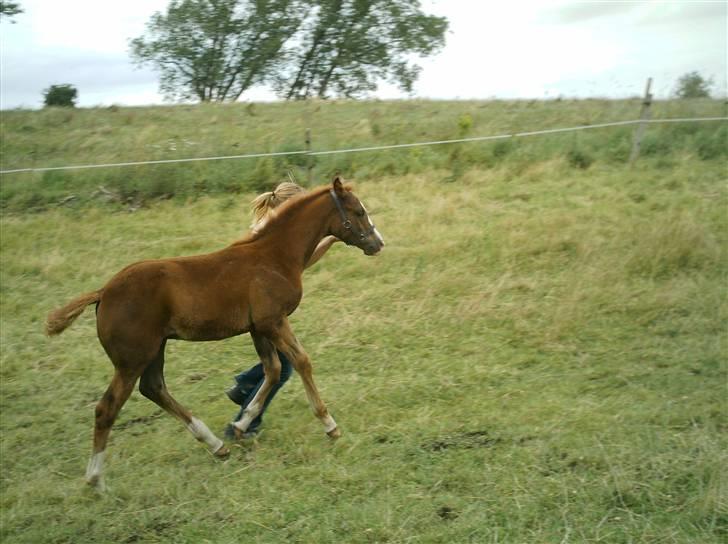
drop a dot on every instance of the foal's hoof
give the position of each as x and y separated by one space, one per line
334 433
222 453
96 483
232 432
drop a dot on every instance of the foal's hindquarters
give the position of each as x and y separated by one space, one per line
129 330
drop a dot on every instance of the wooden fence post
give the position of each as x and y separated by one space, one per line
309 163
645 114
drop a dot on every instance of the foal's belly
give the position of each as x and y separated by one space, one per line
199 327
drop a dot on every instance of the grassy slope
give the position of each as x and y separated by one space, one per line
58 137
537 356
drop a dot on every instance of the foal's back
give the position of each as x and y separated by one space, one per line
203 297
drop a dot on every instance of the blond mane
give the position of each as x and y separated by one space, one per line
276 215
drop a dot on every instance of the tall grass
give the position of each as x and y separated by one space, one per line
538 355
60 137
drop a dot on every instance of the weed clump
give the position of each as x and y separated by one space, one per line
502 148
712 145
578 158
655 144
465 123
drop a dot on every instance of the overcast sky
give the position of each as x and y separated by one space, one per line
504 49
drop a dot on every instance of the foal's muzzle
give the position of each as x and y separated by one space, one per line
373 244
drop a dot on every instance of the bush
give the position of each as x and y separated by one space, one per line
618 146
502 148
712 145
693 85
465 123
579 159
656 144
60 95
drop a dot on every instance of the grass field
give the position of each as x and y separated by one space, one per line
62 137
538 355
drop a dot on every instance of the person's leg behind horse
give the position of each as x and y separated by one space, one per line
246 383
286 371
272 365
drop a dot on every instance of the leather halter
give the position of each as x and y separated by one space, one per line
346 223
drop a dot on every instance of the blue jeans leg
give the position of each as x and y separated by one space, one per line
248 380
255 377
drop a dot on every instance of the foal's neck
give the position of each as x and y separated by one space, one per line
301 227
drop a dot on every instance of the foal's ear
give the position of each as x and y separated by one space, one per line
338 185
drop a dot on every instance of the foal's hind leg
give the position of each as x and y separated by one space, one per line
106 411
153 387
272 367
286 342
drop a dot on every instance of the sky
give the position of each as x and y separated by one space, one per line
494 49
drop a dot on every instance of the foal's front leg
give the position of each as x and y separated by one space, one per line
287 343
272 367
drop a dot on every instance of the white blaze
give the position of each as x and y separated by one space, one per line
371 224
379 236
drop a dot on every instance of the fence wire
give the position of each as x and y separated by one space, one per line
369 148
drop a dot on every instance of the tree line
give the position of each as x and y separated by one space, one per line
214 50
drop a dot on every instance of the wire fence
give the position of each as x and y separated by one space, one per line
369 148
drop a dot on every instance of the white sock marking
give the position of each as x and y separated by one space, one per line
200 431
249 414
242 424
95 467
329 424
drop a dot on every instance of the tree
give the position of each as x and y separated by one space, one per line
60 95
10 9
214 50
693 85
347 46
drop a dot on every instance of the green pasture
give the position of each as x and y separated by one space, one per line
538 354
62 137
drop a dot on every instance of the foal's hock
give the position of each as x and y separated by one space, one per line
250 286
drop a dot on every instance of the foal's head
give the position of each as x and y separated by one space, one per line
353 225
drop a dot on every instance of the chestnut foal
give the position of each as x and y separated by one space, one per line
250 286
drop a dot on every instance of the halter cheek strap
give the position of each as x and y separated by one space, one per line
344 219
346 223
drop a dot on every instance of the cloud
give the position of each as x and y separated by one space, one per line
25 79
684 13
524 49
580 12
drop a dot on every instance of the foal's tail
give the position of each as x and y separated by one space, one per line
59 320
